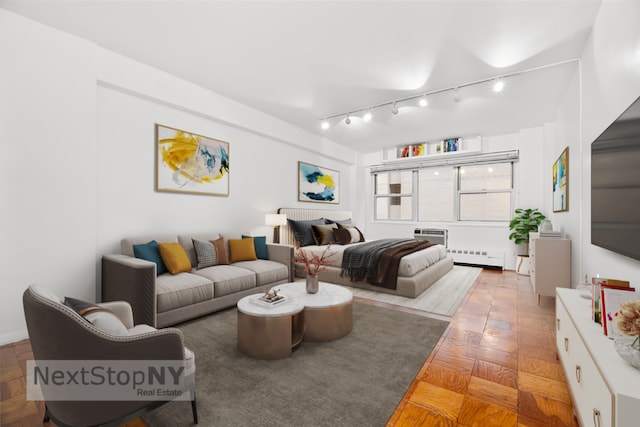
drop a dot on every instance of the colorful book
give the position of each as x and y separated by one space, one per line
611 297
595 298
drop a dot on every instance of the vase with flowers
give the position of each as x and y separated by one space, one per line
627 322
311 264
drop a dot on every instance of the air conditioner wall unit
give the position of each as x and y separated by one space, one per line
435 235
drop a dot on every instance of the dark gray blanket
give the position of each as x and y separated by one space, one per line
360 262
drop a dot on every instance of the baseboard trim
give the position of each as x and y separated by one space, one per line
12 337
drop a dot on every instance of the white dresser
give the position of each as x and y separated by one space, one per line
604 388
550 264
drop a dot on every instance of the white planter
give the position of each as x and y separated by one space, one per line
522 264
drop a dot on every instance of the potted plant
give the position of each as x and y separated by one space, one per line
523 222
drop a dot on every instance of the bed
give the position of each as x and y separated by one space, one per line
415 272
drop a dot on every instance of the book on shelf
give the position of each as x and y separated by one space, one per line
611 297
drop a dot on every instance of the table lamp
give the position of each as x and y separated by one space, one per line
275 220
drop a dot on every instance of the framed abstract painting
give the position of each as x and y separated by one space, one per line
191 163
318 184
561 182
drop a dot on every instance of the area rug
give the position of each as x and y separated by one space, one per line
357 380
443 297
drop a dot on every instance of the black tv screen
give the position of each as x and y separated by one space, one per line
615 185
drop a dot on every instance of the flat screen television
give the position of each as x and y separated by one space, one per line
615 185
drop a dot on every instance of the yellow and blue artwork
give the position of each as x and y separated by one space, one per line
561 182
190 163
318 184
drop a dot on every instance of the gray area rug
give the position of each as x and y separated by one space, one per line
357 380
443 297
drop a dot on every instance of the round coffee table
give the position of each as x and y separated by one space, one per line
269 332
328 314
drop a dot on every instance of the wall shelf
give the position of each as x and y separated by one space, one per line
433 149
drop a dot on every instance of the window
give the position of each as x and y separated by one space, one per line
466 192
394 195
485 192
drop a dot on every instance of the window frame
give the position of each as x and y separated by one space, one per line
490 158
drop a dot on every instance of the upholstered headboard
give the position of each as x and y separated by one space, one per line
286 235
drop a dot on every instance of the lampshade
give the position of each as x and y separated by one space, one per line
275 219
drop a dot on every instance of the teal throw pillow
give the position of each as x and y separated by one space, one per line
150 252
260 245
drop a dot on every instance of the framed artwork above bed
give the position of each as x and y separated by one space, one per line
318 184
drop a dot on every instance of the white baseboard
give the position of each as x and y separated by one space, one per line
12 337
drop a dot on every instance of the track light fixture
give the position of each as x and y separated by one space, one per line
498 85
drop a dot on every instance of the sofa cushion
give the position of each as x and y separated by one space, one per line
260 245
228 279
221 251
242 250
205 252
182 289
150 251
174 257
186 241
266 271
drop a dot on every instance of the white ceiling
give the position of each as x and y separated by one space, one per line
304 60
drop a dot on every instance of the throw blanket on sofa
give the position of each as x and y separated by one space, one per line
377 262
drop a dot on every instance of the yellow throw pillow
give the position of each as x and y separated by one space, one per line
174 257
242 250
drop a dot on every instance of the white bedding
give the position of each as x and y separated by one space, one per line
409 264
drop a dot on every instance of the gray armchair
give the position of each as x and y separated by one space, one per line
57 332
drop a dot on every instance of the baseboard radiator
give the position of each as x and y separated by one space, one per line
478 257
435 235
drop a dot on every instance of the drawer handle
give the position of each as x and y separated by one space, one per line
596 417
558 324
578 373
566 344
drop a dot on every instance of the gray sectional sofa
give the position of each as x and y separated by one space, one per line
166 299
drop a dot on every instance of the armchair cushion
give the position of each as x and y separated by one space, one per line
98 316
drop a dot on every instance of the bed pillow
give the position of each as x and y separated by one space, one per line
98 316
302 230
348 226
221 251
242 250
260 245
341 236
175 258
337 221
149 251
323 234
205 253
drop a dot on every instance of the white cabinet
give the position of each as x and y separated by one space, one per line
550 267
604 388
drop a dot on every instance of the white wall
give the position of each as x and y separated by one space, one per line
78 162
48 166
610 83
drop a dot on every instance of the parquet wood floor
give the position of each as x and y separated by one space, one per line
494 366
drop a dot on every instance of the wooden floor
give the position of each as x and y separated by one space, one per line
494 366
